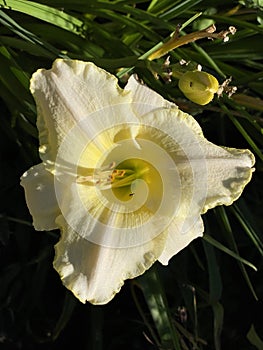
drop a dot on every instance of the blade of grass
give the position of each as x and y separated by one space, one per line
254 339
215 291
218 311
68 307
215 283
248 229
155 297
66 39
46 13
237 22
28 36
226 250
29 47
17 71
144 318
127 21
137 14
189 296
242 130
14 79
178 9
209 59
226 224
223 66
159 7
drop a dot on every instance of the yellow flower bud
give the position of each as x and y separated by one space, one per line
198 87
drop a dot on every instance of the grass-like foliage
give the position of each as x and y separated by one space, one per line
210 295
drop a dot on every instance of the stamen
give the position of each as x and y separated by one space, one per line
81 179
104 176
111 177
121 173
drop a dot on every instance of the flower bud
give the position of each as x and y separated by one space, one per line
198 86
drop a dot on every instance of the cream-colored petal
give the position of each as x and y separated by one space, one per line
88 143
174 122
145 99
180 234
219 173
66 94
228 172
96 273
40 195
209 175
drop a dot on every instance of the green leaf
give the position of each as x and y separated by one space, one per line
243 220
68 307
46 13
169 10
226 250
154 295
13 77
215 283
230 238
254 339
14 27
242 131
237 22
218 312
127 21
215 291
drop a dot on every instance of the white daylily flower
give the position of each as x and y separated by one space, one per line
125 175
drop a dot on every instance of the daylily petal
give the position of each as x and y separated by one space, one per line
209 175
222 171
66 94
89 140
178 238
145 99
96 273
228 172
41 199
